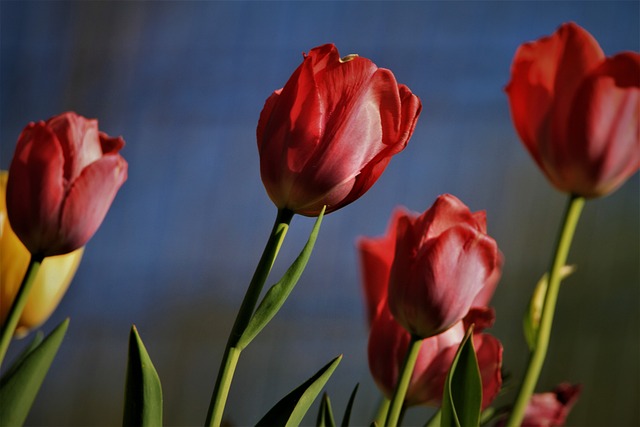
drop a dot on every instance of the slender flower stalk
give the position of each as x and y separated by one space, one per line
232 352
539 352
19 302
397 400
383 410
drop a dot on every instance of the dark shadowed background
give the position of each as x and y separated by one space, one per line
184 83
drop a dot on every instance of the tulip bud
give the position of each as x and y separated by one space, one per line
50 284
62 180
576 111
329 133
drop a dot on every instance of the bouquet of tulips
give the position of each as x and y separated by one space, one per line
323 140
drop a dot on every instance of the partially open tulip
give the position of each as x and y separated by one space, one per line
388 344
443 261
577 111
329 133
50 284
62 180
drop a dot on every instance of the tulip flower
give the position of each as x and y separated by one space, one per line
550 409
388 340
388 345
443 261
62 180
577 111
329 133
50 284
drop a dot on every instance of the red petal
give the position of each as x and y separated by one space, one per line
411 109
36 188
388 342
265 117
110 145
436 291
489 354
604 140
544 77
446 212
89 199
351 138
376 257
481 317
79 140
431 369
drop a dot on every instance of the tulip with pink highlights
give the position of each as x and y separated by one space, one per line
326 136
62 180
388 344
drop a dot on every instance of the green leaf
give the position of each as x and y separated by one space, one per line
143 391
325 414
347 411
462 399
35 342
292 408
276 296
20 385
531 320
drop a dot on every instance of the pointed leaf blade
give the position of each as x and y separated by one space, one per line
278 293
347 411
143 391
20 386
35 342
462 399
292 408
531 320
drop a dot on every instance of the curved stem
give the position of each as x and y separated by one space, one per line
231 352
11 322
539 352
397 400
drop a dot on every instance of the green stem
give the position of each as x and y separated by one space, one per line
11 322
383 410
539 352
232 353
403 382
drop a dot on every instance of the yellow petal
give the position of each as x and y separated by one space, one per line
52 280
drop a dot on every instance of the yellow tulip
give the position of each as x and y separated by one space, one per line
50 285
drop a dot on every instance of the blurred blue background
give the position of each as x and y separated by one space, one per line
184 83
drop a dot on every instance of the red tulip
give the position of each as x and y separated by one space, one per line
62 180
328 134
550 409
388 341
443 262
376 258
577 111
388 344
